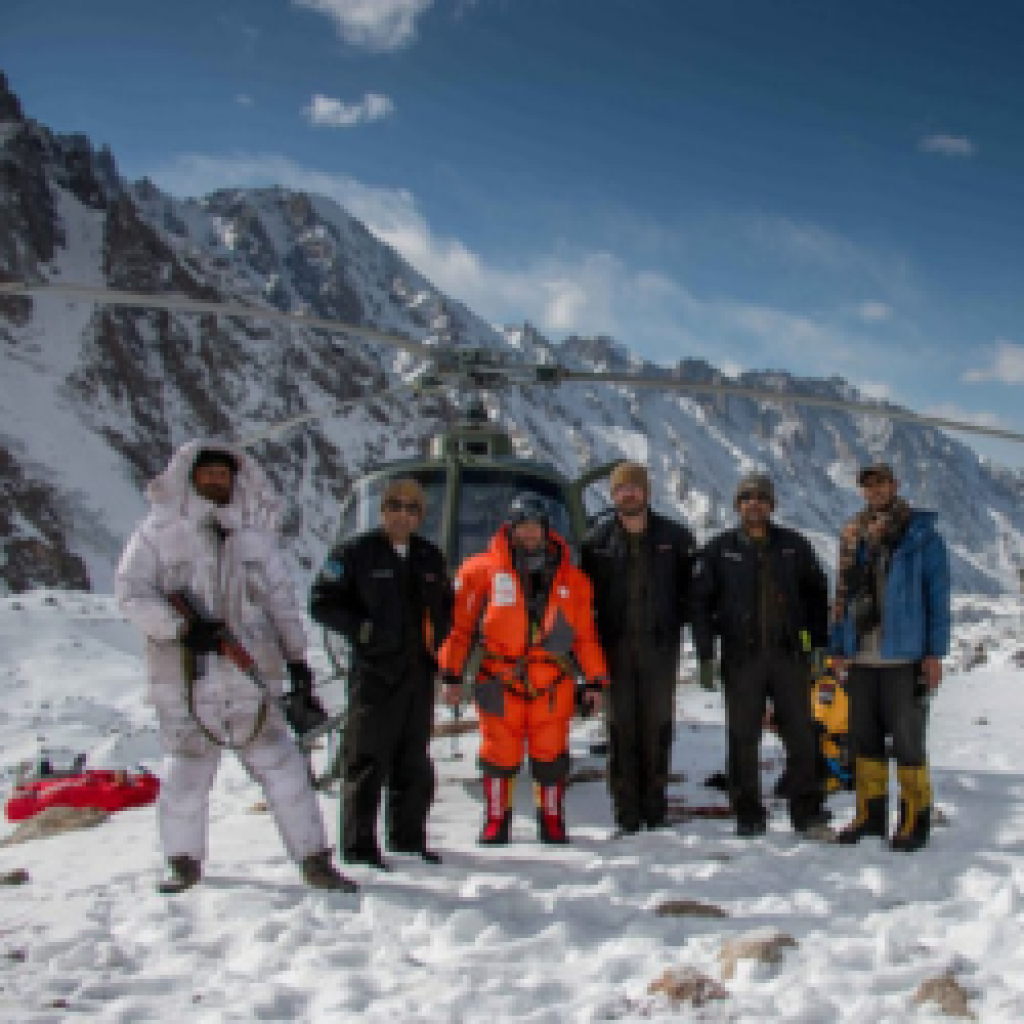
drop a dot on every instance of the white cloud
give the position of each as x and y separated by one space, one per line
585 293
948 145
949 411
879 391
326 112
874 312
1006 365
887 273
243 99
373 24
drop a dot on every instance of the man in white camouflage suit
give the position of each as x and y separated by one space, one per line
212 535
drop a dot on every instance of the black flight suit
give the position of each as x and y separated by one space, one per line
758 598
390 685
641 585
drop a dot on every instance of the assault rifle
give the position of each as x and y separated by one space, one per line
231 648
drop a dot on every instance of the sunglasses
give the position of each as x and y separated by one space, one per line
411 508
754 496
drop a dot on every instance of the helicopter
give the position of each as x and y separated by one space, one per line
471 470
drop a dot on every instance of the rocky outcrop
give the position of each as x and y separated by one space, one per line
33 533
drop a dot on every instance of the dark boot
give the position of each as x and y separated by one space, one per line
497 797
371 857
751 828
182 873
318 871
551 813
872 803
915 809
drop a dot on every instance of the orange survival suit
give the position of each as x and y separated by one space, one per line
525 688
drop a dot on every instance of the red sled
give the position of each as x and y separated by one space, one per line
104 789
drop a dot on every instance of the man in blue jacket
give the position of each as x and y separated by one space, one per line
891 619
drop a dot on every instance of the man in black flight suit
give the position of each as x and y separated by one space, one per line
761 589
388 592
639 563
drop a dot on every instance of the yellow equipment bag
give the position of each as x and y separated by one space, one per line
831 707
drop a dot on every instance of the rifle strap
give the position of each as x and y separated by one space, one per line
188 662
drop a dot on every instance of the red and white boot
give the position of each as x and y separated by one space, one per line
551 813
497 794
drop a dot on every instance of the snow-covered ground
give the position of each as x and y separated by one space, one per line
526 933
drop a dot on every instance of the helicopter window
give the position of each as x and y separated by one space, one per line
367 503
348 525
485 494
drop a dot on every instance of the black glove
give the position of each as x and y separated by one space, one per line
819 662
301 676
706 676
302 708
204 636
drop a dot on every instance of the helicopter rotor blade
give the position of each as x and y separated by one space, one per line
483 368
414 389
762 394
183 304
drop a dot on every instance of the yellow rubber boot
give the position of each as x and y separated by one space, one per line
872 802
915 809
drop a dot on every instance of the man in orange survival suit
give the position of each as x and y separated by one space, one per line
533 609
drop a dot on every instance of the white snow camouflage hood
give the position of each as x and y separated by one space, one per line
253 501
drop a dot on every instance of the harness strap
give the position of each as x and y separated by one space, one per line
188 660
518 682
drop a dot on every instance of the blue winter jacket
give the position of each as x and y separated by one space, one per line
916 619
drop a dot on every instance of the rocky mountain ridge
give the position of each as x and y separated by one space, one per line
95 398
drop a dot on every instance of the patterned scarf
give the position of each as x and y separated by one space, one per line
881 529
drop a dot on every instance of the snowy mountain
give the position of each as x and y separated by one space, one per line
94 399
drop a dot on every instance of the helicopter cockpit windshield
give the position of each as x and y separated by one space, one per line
485 494
480 496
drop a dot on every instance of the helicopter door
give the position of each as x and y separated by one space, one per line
485 494
593 502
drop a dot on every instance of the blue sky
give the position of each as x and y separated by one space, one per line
820 186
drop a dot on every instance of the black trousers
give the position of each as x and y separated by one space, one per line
641 702
888 701
387 743
747 686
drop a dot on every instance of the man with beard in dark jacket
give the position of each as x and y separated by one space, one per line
388 592
639 563
760 588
